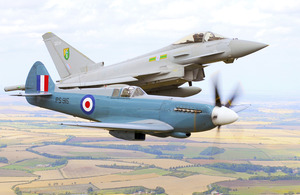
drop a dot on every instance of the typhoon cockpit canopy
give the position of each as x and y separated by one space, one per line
200 37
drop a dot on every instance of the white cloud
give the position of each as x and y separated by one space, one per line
240 14
278 6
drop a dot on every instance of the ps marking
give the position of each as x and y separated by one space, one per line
87 104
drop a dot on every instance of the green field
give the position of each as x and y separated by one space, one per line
188 152
147 171
288 189
31 165
62 189
128 190
229 154
283 153
244 154
221 172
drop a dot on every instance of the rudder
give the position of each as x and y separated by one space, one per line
38 80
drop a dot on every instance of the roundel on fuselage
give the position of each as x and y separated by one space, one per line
87 104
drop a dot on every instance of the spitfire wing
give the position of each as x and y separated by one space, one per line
148 125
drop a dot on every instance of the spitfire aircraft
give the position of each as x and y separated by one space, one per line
160 72
127 112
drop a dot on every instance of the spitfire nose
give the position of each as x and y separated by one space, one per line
240 48
223 116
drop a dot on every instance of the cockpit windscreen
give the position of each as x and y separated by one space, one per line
199 38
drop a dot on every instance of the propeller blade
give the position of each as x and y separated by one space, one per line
234 96
229 102
217 95
217 98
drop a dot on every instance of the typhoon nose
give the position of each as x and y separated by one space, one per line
223 116
240 48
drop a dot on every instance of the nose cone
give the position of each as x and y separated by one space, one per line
240 48
223 116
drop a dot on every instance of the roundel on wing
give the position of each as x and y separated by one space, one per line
87 104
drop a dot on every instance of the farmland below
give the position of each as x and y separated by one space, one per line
259 154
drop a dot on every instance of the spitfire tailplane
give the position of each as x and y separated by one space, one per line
67 59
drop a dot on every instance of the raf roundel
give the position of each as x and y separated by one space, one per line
87 104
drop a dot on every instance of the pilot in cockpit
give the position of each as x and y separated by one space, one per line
198 37
132 91
125 93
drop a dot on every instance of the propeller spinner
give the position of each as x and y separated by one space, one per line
223 116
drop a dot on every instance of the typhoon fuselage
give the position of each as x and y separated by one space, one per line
160 72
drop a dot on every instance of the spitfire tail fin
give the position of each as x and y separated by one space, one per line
38 81
67 59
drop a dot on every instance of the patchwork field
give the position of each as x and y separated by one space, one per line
291 163
6 186
49 174
162 163
262 187
95 152
40 156
88 168
191 184
172 185
16 153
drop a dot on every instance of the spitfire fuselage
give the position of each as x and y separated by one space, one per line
184 116
127 112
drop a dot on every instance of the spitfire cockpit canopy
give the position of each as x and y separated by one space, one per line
200 37
129 91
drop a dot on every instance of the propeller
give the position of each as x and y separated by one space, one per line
222 114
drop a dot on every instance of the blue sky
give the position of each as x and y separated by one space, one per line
115 30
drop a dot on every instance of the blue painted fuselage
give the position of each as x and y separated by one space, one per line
182 115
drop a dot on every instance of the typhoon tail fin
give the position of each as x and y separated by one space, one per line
38 81
67 59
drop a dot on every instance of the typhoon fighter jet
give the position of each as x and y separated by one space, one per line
161 72
127 112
